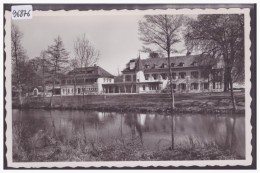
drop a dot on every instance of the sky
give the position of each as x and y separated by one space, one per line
116 37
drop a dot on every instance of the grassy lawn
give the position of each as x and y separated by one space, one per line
184 102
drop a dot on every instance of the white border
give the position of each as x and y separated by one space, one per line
248 99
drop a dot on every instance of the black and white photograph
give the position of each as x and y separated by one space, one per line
154 87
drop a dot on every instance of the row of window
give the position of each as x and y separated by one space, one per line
165 65
77 90
182 75
107 80
129 78
78 81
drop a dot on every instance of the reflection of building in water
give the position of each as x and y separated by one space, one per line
141 119
101 116
151 116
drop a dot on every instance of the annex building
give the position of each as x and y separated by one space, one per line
151 76
87 80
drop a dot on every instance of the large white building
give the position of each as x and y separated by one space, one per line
151 76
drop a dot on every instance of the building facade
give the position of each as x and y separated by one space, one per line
151 76
80 81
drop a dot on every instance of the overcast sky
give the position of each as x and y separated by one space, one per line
116 37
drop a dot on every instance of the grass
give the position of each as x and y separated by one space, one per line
186 102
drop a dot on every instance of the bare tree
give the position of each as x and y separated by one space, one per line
58 60
85 54
18 58
44 63
162 31
220 36
74 64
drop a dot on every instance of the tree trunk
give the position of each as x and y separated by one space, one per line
226 80
20 94
172 99
232 94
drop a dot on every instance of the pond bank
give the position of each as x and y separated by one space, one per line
219 103
48 148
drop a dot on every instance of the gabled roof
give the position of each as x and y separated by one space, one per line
94 71
187 61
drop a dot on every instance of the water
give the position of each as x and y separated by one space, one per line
154 130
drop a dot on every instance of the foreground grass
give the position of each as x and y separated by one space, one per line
46 149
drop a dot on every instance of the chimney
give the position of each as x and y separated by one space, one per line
95 65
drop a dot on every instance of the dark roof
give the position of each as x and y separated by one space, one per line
188 61
94 71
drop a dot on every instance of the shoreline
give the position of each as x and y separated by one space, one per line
215 103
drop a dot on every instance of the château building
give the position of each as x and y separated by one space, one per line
151 76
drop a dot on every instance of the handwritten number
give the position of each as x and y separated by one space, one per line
21 13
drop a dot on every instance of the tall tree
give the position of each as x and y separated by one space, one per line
58 60
73 65
43 67
220 37
18 58
85 54
162 31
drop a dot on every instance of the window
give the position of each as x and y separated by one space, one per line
183 86
172 64
217 77
146 76
69 81
134 77
194 63
154 66
206 85
64 91
194 74
182 75
174 75
194 86
217 85
80 81
152 87
181 64
164 76
63 82
155 76
128 78
144 87
164 65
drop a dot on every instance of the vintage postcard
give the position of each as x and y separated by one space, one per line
128 88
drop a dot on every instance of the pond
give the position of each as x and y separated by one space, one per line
153 130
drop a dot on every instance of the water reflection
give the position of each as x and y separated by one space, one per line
153 130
